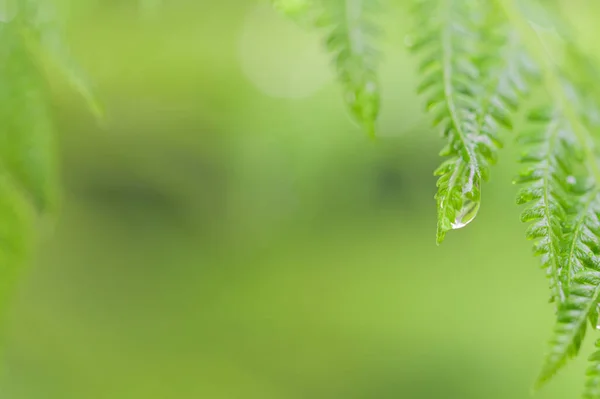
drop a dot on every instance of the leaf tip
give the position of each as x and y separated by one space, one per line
440 236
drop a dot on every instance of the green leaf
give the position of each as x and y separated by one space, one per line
592 382
548 154
582 232
351 39
471 93
571 324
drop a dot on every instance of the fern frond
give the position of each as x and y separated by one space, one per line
592 382
582 232
565 216
548 151
565 211
352 40
571 324
471 92
578 266
351 34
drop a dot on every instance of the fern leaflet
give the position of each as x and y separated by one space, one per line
571 321
581 236
549 153
351 39
352 42
592 383
470 92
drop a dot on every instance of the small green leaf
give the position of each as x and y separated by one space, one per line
572 318
351 35
471 94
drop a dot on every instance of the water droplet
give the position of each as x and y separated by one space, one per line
466 214
571 180
409 41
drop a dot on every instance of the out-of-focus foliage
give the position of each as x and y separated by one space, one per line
28 165
474 74
42 30
218 241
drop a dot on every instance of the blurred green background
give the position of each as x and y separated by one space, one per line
228 233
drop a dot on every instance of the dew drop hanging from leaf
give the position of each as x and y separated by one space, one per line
471 201
467 213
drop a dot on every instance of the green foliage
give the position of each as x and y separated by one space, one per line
478 59
351 36
562 175
571 323
470 92
592 385
548 155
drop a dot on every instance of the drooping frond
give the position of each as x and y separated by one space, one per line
565 208
582 232
577 275
563 192
352 40
571 323
548 153
592 382
41 27
351 36
471 92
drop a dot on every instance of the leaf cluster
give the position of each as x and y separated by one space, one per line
477 63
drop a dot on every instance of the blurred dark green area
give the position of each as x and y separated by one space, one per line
228 233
